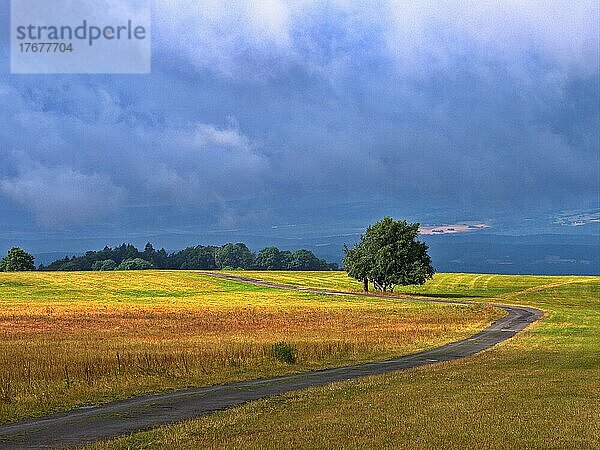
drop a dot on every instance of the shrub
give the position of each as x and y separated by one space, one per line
107 264
284 352
135 264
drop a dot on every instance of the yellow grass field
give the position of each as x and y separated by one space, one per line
73 339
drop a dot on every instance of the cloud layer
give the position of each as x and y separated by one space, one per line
475 108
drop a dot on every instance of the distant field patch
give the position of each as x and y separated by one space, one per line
443 285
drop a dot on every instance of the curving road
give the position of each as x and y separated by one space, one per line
84 425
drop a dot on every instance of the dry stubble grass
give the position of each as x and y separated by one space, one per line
70 339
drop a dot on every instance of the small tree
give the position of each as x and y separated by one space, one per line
306 260
17 260
388 255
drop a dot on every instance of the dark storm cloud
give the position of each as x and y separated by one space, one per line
479 108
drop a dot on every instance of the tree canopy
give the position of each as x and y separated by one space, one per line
271 258
305 260
135 264
17 260
389 254
235 256
107 264
200 257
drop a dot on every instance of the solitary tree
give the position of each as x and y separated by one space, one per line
388 255
17 260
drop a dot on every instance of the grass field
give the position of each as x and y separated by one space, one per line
71 339
443 285
538 390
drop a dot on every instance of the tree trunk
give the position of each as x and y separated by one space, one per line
366 284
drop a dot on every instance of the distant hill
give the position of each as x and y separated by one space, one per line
536 254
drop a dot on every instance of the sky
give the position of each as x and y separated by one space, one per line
325 116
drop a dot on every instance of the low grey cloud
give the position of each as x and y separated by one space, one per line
281 106
60 195
109 157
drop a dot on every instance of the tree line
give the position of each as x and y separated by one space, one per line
228 257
